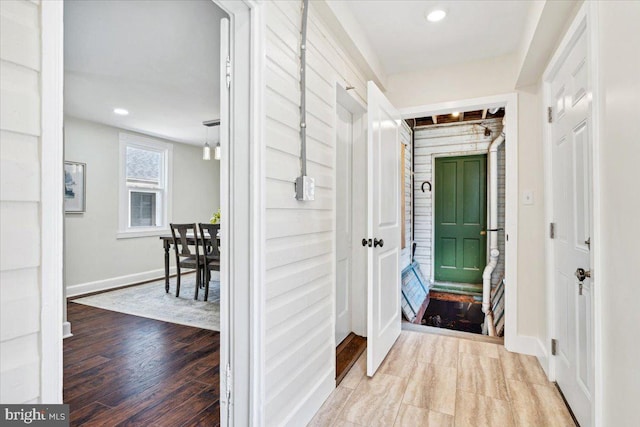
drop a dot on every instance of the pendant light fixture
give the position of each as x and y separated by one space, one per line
206 150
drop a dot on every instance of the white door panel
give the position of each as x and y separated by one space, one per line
571 169
383 294
344 149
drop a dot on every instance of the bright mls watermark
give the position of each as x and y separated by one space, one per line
34 415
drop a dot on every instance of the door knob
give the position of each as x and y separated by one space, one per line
366 242
377 242
582 274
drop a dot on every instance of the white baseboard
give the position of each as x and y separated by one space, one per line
66 330
543 358
116 282
305 411
523 344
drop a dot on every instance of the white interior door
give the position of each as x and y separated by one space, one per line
384 195
571 167
344 147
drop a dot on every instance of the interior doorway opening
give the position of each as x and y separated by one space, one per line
458 225
351 218
138 162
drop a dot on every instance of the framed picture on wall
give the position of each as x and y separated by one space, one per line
74 187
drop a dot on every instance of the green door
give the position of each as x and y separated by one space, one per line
460 218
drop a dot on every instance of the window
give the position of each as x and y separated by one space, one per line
145 166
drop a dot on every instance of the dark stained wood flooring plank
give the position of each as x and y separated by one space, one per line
83 365
193 405
127 370
210 417
83 416
347 354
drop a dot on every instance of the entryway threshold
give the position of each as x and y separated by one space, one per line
406 326
474 289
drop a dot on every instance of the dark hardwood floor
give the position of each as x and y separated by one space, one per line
347 353
128 370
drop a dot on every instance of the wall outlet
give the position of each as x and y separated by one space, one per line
527 197
305 188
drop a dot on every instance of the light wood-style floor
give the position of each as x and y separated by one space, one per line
433 380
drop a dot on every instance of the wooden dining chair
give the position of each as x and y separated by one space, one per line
184 257
211 252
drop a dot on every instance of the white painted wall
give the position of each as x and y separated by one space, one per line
460 81
19 201
300 236
431 142
619 39
94 257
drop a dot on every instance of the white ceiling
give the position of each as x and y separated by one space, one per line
157 59
405 41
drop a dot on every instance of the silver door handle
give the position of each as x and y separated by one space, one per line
582 274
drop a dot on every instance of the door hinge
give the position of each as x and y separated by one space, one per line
552 230
550 114
554 346
228 385
228 69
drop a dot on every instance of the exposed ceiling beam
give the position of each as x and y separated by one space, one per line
484 113
435 119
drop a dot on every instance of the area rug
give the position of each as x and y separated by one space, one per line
151 301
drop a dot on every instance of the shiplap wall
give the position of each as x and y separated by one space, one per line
19 201
452 140
300 262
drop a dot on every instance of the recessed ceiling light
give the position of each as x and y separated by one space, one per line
455 114
436 15
120 111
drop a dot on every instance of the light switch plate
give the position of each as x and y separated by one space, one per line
527 197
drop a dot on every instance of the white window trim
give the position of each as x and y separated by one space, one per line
124 231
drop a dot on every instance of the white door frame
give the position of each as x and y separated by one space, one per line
244 199
587 17
512 340
347 99
349 201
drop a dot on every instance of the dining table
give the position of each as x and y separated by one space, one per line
167 241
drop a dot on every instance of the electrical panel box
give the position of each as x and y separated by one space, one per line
305 188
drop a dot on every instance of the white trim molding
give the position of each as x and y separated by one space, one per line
512 340
52 203
242 200
116 282
258 220
66 330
